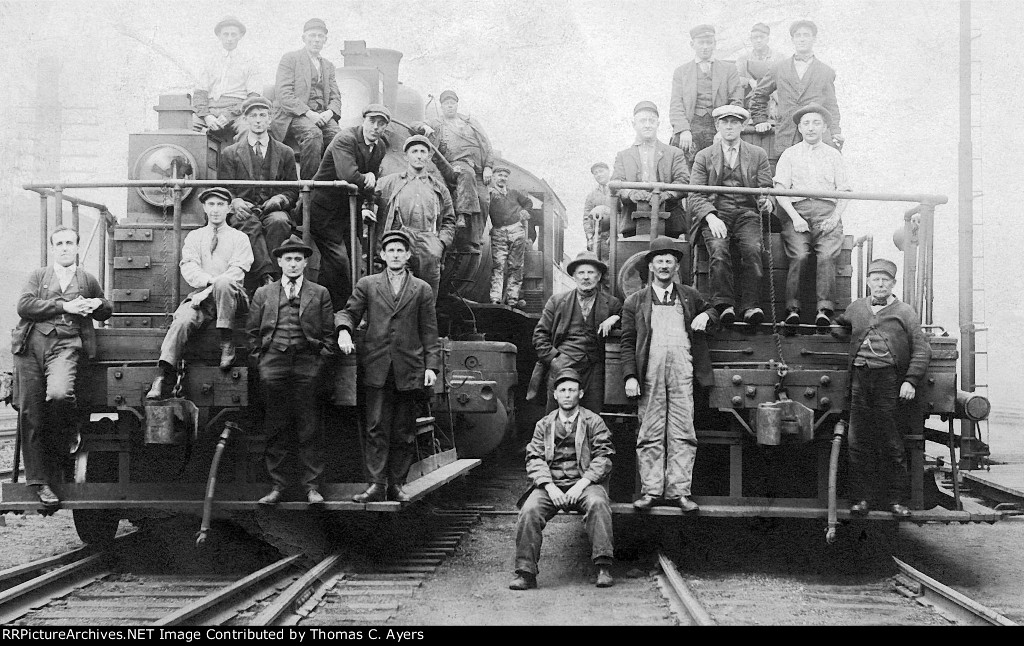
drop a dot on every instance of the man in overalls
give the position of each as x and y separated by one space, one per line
661 347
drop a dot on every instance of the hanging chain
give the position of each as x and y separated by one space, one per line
165 253
176 391
766 240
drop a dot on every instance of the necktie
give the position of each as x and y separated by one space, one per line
879 301
668 298
705 67
292 288
213 243
259 149
567 425
731 157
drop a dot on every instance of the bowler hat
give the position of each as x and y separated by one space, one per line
377 109
587 258
883 266
416 139
255 102
723 111
761 27
229 21
567 374
215 191
293 243
314 23
448 94
663 245
646 105
396 235
599 165
702 30
815 108
803 23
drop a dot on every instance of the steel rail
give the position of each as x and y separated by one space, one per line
680 597
294 594
921 198
947 601
16 601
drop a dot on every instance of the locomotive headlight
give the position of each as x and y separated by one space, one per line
162 162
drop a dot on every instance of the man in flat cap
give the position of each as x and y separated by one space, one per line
307 102
509 211
463 142
799 80
400 357
754 64
596 213
214 259
568 461
698 87
291 329
812 228
721 219
228 77
418 202
572 330
354 156
650 160
889 355
260 212
664 348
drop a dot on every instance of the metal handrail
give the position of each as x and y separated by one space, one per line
187 183
922 198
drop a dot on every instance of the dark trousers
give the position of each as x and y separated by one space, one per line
538 510
329 225
472 203
745 228
293 427
312 140
592 376
390 432
45 371
820 243
266 232
875 441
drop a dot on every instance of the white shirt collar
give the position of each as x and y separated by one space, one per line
60 269
812 147
563 419
263 139
726 147
698 61
298 282
660 293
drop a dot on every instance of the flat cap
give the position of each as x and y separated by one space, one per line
763 28
417 139
803 23
314 23
255 102
567 374
813 108
587 258
702 30
377 109
396 235
599 165
882 266
646 105
723 111
216 191
502 168
293 243
448 94
229 21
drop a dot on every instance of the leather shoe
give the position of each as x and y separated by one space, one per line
753 316
396 493
687 505
523 581
159 388
645 502
793 317
860 508
728 316
374 493
823 321
604 578
227 354
314 497
46 495
271 498
899 511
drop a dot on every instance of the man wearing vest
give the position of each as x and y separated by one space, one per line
57 307
509 213
721 219
400 357
889 355
214 259
568 460
754 65
596 213
291 326
260 212
664 346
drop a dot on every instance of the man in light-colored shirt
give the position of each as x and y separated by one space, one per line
228 77
814 227
214 260
596 212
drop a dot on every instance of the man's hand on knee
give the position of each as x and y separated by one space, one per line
575 492
558 499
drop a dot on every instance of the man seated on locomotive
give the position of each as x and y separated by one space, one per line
721 219
353 156
572 329
596 213
57 307
214 260
510 215
650 160
889 355
568 460
754 65
663 344
227 79
260 212
306 98
814 226
417 202
291 326
400 357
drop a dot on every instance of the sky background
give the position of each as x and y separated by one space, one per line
553 83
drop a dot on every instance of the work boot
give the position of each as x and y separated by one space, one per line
227 354
824 321
604 577
645 502
687 505
46 495
397 494
314 497
899 511
860 508
753 316
523 581
374 493
161 387
728 316
271 498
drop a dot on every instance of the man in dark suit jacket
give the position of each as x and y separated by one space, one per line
661 349
354 156
57 307
719 219
259 212
800 80
400 356
649 160
571 331
306 98
291 325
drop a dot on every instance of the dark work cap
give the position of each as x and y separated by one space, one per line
599 165
723 111
702 30
448 94
646 105
396 235
293 243
882 266
215 191
567 374
803 23
815 108
255 102
314 23
229 21
763 28
417 139
377 109
502 168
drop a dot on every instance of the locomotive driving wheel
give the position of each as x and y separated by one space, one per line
98 526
